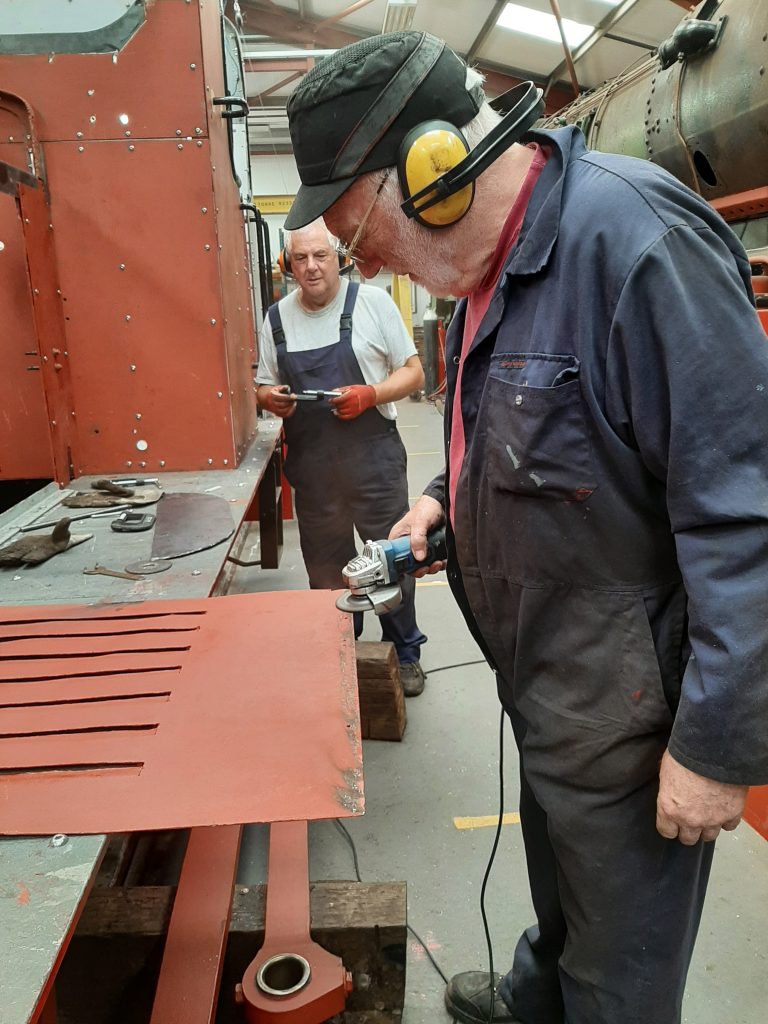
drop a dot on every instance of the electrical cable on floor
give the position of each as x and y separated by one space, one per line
461 664
345 832
491 859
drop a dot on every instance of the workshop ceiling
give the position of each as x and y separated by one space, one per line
284 38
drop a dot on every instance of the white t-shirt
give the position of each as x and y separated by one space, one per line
379 339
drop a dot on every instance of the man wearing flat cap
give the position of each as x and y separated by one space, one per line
605 495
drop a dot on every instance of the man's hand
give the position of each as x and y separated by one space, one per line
424 516
354 400
691 807
278 400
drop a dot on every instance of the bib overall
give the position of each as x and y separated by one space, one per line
347 474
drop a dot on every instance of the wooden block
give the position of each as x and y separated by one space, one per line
376 659
111 967
382 704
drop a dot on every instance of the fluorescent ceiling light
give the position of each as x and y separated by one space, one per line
543 26
399 15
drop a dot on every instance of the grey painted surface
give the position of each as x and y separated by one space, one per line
61 579
43 883
43 887
446 767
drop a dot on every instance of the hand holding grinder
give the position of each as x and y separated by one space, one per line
374 576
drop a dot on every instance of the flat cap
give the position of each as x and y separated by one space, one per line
350 113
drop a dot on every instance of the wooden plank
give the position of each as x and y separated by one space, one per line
115 954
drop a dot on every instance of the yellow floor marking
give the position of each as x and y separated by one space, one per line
431 583
487 821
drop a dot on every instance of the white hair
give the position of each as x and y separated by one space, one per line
288 235
408 235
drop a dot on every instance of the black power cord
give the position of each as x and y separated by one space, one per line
345 832
491 859
461 664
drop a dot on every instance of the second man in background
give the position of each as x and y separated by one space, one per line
345 458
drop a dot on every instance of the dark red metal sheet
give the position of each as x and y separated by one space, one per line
181 713
156 81
236 293
139 273
25 449
150 251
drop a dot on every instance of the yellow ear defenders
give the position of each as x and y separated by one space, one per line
429 151
284 263
437 169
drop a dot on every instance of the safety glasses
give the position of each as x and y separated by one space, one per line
350 252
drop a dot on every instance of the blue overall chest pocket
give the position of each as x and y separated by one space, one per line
537 439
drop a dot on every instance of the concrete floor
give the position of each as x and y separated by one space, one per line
446 767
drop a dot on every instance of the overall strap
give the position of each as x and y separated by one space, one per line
345 323
276 323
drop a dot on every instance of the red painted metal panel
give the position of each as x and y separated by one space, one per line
47 309
140 277
234 273
151 80
254 728
150 248
25 449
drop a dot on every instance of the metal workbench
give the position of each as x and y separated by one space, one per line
44 881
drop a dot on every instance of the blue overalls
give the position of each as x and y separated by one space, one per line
610 556
347 474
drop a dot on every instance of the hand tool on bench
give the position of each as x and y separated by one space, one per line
373 578
101 570
73 519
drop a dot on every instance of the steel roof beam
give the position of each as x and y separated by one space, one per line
485 31
611 19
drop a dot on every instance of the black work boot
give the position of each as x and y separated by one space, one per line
468 999
413 678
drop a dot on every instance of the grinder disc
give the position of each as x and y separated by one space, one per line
380 600
351 603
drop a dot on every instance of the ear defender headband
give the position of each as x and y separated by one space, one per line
437 169
284 262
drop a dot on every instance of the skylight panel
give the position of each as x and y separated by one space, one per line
542 25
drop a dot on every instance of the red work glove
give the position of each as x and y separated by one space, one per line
354 400
279 401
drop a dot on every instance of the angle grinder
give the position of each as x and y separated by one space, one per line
374 576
